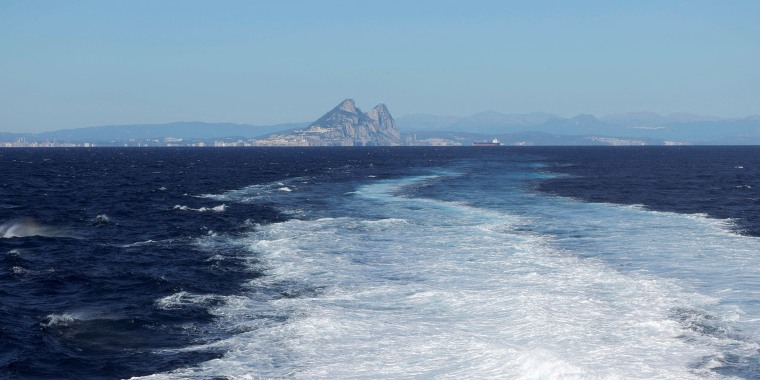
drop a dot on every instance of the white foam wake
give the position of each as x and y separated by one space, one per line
445 290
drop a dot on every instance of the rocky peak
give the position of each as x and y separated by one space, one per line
348 105
380 112
347 125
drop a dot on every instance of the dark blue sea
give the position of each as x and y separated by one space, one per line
399 262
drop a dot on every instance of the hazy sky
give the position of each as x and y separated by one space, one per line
67 64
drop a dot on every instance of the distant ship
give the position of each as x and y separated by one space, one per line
495 142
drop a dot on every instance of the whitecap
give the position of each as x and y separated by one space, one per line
256 192
219 208
102 220
59 320
71 317
139 243
185 299
28 227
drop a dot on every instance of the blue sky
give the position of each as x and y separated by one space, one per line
68 64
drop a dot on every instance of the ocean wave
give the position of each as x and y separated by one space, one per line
102 220
53 320
184 299
139 243
152 242
71 317
256 192
20 228
220 208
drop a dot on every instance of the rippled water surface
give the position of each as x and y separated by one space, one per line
380 262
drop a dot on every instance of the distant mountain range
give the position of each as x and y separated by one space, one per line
630 128
644 128
180 130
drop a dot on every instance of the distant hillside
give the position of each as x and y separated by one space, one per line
423 122
346 125
8 136
185 130
547 129
488 121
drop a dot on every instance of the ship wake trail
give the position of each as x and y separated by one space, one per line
443 289
425 262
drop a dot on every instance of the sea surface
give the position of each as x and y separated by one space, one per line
400 262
